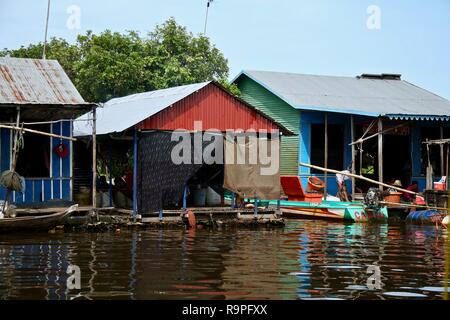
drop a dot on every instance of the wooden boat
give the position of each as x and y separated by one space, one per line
34 223
333 210
301 204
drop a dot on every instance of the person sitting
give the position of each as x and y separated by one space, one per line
342 188
397 183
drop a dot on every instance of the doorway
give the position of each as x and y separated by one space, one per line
397 159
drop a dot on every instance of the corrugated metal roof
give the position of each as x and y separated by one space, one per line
122 113
354 95
35 81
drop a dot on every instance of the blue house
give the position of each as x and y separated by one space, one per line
388 117
47 101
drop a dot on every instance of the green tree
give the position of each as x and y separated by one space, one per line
112 64
58 49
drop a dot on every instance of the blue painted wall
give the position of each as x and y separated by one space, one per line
308 118
41 189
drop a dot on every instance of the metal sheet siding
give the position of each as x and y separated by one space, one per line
215 108
281 112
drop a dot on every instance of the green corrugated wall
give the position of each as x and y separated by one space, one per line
277 109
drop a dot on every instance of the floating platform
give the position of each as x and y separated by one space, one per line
108 218
217 216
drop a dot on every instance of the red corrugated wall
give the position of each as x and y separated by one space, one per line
213 106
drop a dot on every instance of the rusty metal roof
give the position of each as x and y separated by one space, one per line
36 81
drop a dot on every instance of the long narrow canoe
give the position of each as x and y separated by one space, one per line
35 223
334 210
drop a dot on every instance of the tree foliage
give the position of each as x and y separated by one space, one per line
112 64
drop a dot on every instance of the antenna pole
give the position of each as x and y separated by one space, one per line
206 17
46 29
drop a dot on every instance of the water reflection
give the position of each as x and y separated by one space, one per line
304 260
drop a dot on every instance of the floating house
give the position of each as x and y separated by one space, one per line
41 93
141 126
374 124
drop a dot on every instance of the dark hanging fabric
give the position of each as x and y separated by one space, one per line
160 182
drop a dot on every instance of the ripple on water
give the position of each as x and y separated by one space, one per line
341 267
404 294
356 287
315 260
434 289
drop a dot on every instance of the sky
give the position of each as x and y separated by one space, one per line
326 37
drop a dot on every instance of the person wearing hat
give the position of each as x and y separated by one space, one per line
397 183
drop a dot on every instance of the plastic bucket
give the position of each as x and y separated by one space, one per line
393 197
212 197
315 184
199 197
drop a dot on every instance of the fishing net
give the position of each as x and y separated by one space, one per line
12 181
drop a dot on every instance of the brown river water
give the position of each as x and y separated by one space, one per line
303 260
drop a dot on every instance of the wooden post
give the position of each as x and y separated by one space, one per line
94 159
441 146
13 161
135 155
110 174
380 152
429 175
326 156
352 137
446 170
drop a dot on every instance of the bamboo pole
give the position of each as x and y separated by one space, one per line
357 177
16 127
352 137
376 134
380 152
405 205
